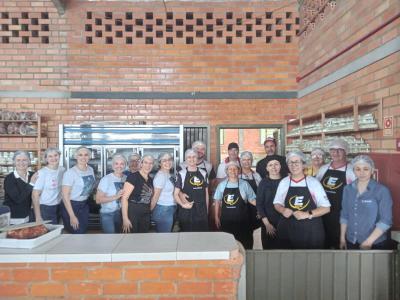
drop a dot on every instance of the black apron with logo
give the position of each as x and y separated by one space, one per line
255 221
300 234
235 218
333 182
196 218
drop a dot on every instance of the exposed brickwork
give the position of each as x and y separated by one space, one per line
345 24
208 112
69 63
173 280
33 46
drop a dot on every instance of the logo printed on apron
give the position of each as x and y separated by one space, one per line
332 183
195 181
229 199
297 202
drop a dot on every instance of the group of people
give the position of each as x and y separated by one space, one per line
324 205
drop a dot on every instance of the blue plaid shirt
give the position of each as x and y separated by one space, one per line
363 213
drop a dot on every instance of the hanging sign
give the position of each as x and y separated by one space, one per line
388 126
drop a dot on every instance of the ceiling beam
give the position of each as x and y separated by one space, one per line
60 5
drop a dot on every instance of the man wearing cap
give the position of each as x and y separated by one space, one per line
233 155
270 149
334 176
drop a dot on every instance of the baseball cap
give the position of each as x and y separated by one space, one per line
233 145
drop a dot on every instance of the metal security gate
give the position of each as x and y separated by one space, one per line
322 274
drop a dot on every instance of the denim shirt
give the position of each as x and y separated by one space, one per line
363 213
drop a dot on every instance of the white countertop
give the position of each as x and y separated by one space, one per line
127 247
396 236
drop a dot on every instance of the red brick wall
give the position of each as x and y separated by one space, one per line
69 63
125 280
341 27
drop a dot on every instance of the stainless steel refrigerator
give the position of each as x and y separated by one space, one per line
105 140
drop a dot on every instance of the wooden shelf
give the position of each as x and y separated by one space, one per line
37 137
353 110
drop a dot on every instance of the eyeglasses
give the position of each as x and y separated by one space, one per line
295 163
316 156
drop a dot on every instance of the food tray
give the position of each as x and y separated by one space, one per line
55 230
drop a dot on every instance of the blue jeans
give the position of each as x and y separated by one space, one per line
163 216
50 212
111 222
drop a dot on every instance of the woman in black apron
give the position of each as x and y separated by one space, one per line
334 180
253 178
191 193
301 226
231 211
265 207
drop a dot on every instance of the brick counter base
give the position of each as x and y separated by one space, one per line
205 279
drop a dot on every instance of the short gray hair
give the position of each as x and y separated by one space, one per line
119 156
363 159
198 143
21 152
51 150
246 154
162 156
147 156
134 155
190 151
80 148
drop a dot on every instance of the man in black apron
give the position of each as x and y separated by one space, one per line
333 178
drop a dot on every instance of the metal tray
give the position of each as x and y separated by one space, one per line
54 231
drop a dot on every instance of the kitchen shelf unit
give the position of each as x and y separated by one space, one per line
38 142
345 121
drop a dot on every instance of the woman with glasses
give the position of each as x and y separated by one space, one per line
46 195
366 214
18 189
334 176
318 156
162 203
136 197
301 201
77 185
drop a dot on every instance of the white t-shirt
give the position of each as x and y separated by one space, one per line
163 181
221 174
49 183
314 186
350 176
111 185
81 182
